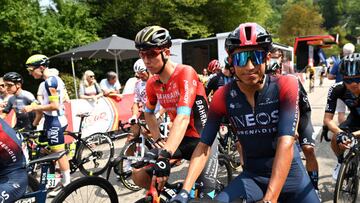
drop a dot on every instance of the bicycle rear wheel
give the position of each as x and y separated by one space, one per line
124 170
347 184
94 157
88 189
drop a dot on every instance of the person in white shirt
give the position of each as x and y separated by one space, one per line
111 85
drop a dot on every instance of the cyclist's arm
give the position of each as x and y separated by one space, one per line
281 167
149 111
135 109
331 107
7 108
288 118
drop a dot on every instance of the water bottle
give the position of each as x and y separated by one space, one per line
72 148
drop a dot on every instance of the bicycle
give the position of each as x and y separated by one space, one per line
227 145
91 155
347 183
153 195
39 192
137 147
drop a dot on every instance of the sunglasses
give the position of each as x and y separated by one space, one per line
91 76
240 59
351 80
2 85
152 53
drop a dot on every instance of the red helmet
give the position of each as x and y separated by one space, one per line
248 35
213 66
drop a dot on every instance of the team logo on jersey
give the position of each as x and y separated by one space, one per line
233 93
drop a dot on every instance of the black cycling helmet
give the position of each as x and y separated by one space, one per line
248 35
350 65
37 60
152 37
13 77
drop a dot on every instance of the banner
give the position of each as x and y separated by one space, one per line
105 114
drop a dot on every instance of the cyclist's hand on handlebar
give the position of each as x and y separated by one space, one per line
181 197
161 172
344 140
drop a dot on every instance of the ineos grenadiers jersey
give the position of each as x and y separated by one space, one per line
51 83
182 94
275 114
339 91
217 80
11 155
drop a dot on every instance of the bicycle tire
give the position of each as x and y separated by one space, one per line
94 141
78 186
121 171
348 171
33 184
224 180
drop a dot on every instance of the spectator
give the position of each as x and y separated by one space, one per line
89 88
110 85
129 87
204 77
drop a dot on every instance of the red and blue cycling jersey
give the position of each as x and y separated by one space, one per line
11 154
182 94
275 114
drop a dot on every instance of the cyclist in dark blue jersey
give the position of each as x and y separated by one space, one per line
305 128
264 113
13 175
347 91
21 98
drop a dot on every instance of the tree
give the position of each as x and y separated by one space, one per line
26 30
300 19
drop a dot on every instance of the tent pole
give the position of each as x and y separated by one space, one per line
116 66
73 72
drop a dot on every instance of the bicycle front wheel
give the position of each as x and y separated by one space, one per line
94 157
124 170
88 189
347 184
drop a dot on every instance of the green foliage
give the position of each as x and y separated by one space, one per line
300 19
69 84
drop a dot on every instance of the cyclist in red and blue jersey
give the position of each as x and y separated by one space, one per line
263 111
13 175
179 91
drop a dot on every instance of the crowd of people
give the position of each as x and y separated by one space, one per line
266 105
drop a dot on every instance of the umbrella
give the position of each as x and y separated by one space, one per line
113 47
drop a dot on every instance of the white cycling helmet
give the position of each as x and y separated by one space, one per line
139 66
348 48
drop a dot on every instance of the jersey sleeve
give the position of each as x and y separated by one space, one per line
334 69
188 82
332 98
289 110
151 96
217 111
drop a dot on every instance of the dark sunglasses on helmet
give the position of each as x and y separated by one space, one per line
152 53
240 59
351 80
